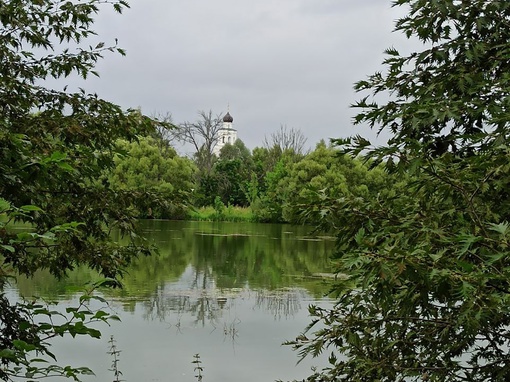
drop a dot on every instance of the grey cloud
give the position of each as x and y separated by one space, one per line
277 62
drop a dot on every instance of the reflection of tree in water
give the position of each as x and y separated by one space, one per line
280 303
217 264
204 269
196 296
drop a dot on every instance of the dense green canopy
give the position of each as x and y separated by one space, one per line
145 166
427 292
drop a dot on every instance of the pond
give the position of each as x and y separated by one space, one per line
230 292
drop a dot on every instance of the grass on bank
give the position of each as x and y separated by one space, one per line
229 214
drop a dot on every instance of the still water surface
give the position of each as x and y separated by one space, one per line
231 292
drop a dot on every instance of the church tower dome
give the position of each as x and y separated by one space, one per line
228 118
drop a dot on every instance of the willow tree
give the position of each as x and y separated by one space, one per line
54 145
427 291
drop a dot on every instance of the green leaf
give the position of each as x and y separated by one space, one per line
4 205
360 236
57 156
28 208
100 314
8 354
501 228
38 360
8 248
497 257
22 345
65 166
94 333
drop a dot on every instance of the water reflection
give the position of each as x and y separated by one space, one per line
231 292
282 303
202 265
204 301
200 298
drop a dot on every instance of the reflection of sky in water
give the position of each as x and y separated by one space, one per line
239 338
237 332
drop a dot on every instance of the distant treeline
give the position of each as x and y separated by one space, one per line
268 184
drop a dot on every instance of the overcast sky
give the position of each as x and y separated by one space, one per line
275 62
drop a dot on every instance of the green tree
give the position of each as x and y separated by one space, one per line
326 172
236 150
149 166
229 178
271 166
233 172
54 145
264 161
269 207
207 190
232 182
426 295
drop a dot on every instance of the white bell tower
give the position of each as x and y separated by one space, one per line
227 134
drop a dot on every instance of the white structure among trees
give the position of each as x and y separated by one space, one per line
226 134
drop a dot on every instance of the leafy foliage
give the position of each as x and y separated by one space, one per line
327 172
233 171
427 294
296 185
229 178
29 327
149 166
54 145
269 207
